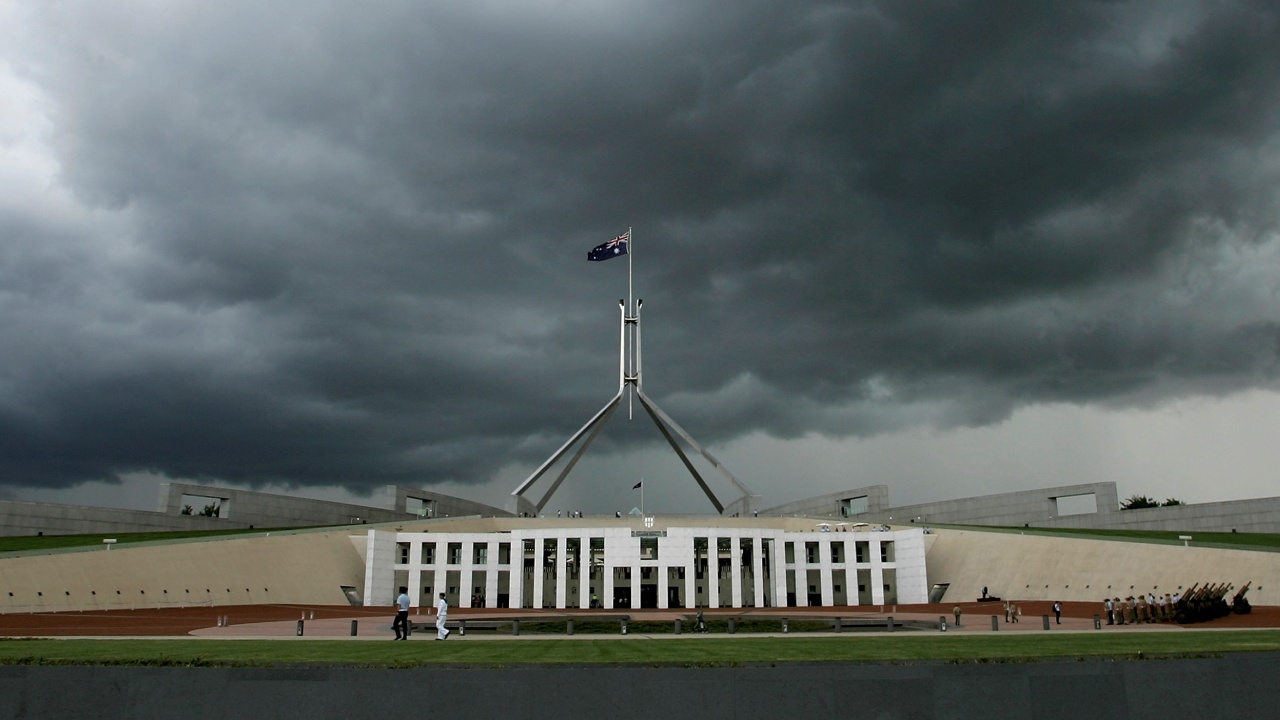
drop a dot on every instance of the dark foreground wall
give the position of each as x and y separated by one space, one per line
1240 686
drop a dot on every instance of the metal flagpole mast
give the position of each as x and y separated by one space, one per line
630 309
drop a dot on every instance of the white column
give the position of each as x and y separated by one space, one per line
735 569
515 588
637 581
539 570
825 572
562 575
877 570
713 571
439 580
802 573
758 569
379 568
466 573
850 572
491 575
606 572
584 571
663 576
415 572
690 572
779 561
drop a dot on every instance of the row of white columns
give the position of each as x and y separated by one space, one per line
622 549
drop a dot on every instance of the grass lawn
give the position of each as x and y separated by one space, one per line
1237 541
702 651
24 543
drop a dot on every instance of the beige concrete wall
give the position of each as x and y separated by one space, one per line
30 518
306 567
1033 567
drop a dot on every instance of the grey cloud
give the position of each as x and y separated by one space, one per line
349 241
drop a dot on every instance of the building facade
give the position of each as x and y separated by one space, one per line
673 566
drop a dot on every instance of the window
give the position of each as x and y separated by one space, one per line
648 548
853 506
480 553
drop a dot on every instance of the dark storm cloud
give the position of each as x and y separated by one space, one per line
345 245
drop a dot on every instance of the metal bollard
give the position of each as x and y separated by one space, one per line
733 625
839 624
942 623
890 622
353 628
677 626
624 626
1046 621
462 628
995 622
569 627
515 627
300 628
1097 622
784 625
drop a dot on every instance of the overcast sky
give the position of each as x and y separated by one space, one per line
954 248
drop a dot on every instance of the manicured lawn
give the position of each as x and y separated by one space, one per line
691 651
1239 541
57 542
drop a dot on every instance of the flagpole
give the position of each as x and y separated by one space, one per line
642 496
630 308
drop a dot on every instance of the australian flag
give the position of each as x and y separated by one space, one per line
613 248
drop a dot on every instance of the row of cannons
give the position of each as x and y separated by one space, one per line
1200 603
1209 602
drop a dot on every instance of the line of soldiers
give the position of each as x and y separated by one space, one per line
1198 604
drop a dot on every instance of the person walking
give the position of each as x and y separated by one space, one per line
401 624
956 611
442 614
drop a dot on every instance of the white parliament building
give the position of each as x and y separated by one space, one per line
639 563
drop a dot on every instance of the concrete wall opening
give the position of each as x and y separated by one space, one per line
1086 504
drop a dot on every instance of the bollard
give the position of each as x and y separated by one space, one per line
839 622
733 625
1046 621
624 626
569 627
515 627
462 628
995 622
890 623
942 623
784 625
677 626
300 628
1097 622
353 628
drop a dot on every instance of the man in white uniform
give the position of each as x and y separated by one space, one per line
442 614
401 623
